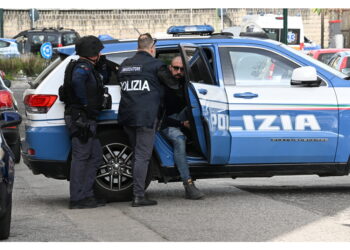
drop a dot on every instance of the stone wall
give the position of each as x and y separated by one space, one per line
127 23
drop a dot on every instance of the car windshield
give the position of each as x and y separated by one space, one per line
317 62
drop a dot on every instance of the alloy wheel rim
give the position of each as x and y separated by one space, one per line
115 174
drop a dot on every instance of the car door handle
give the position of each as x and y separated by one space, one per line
246 95
203 91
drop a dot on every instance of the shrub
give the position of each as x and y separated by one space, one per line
30 65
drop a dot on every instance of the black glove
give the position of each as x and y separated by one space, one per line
81 122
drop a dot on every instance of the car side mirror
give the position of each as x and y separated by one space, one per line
305 76
10 119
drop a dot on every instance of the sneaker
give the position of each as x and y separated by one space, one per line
139 201
84 203
191 191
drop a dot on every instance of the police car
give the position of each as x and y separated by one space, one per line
259 109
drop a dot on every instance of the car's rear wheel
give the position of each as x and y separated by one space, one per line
5 222
114 180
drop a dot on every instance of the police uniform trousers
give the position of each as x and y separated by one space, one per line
86 159
141 140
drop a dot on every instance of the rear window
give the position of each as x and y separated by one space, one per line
4 44
69 38
46 72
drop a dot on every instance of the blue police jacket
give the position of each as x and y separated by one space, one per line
141 90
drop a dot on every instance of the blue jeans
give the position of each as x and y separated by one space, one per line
178 139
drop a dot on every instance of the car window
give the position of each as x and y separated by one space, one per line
4 44
119 57
253 66
47 71
38 39
325 57
52 39
68 38
198 70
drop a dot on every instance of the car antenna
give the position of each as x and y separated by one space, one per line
137 31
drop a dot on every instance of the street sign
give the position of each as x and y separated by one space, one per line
46 50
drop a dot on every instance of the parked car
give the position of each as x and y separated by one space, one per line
11 134
7 118
8 48
324 55
258 108
340 61
31 40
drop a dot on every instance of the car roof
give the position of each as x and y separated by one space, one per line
121 45
37 30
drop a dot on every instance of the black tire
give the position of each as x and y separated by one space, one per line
16 150
114 180
5 222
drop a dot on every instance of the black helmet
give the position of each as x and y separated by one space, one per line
88 46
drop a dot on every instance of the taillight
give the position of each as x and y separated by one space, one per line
60 45
302 45
5 99
31 151
39 103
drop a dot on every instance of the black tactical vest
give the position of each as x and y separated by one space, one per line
94 89
140 90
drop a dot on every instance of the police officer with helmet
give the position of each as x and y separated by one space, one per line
141 78
83 94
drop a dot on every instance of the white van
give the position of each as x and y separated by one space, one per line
272 25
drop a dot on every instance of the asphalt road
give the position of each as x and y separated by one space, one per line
278 209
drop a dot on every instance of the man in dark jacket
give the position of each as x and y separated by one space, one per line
174 122
141 78
84 91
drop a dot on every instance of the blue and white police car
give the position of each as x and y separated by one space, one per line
259 109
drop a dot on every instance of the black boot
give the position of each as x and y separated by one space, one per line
192 192
139 201
84 203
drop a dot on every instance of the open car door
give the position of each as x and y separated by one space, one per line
207 104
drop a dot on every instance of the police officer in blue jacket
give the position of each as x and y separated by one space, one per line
84 93
141 78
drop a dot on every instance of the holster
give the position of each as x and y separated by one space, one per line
81 126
